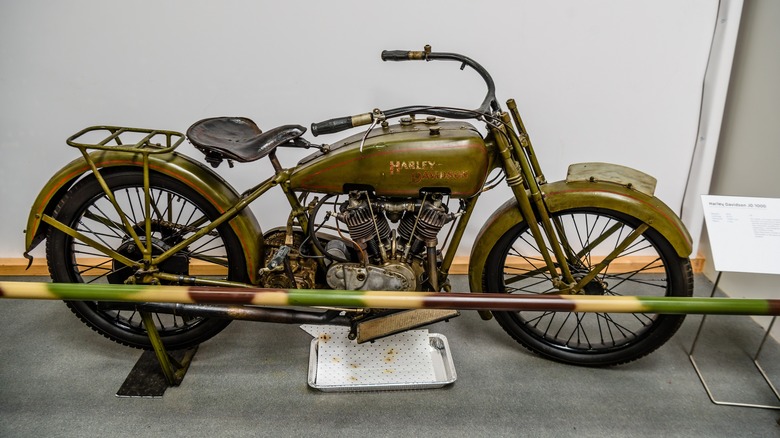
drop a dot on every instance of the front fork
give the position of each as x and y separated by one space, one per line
522 184
524 177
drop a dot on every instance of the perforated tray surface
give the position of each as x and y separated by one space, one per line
411 360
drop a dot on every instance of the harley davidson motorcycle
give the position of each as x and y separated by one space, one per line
384 209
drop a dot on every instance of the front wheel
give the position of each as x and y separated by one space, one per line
648 267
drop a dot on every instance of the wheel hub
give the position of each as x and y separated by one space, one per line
593 287
178 263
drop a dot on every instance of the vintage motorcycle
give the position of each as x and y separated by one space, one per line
365 213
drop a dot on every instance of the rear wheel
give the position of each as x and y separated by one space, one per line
177 212
648 267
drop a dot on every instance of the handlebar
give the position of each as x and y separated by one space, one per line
339 124
489 104
402 55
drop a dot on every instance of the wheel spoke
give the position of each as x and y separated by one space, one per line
636 272
110 224
130 204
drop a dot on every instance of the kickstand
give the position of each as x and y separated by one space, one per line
153 373
172 369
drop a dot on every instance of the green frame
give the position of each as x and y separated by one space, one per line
508 146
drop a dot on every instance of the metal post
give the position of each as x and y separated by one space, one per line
755 362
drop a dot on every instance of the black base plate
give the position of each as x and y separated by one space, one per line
146 379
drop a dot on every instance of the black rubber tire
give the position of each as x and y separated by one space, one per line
590 339
68 259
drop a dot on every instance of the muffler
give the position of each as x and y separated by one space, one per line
248 313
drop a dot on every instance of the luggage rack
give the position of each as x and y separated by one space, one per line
148 141
139 144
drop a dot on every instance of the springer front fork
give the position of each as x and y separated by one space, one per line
524 176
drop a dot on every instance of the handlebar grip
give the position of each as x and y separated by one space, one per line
340 124
402 55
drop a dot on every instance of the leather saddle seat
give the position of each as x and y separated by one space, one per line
238 138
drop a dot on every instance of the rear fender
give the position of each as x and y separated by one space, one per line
210 185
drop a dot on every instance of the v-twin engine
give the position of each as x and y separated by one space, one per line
376 257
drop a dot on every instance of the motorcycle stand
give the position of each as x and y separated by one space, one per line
156 370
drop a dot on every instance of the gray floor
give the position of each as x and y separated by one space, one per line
58 378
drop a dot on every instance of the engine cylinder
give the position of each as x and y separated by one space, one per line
366 229
363 227
429 221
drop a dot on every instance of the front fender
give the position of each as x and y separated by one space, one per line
210 185
564 195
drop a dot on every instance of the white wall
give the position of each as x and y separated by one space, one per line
613 80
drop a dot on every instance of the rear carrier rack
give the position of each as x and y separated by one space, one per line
124 139
141 143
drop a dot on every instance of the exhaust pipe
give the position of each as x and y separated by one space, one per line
248 313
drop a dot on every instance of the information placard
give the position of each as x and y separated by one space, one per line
744 233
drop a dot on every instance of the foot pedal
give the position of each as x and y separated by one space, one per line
400 322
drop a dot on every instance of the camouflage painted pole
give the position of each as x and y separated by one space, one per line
387 299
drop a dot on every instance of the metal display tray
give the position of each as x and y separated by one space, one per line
443 367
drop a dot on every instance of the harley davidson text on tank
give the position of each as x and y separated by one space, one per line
385 209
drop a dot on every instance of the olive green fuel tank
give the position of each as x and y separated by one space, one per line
401 160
